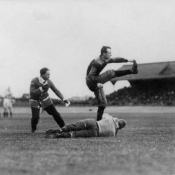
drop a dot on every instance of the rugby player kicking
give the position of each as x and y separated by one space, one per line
95 80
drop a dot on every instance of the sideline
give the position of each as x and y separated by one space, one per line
109 109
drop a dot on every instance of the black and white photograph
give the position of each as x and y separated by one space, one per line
87 87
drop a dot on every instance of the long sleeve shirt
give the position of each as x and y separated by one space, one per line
108 126
35 92
97 65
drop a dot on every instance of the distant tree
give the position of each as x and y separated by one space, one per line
25 96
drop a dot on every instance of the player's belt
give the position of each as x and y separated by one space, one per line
46 98
34 103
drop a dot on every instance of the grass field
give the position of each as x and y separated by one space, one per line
145 147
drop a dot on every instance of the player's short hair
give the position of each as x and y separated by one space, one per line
121 123
104 49
43 70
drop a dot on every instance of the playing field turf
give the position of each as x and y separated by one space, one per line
145 147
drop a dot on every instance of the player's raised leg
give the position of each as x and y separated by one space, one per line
110 74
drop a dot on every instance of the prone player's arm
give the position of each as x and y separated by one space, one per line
33 89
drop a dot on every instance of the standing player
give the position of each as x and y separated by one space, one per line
95 80
39 97
8 105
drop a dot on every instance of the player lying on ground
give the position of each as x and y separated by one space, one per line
106 127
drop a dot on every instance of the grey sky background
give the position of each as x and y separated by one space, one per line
66 35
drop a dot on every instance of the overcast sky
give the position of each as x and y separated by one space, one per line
66 35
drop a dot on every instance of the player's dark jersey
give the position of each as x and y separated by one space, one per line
95 68
96 65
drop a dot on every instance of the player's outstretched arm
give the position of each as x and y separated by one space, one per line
66 102
131 61
59 94
56 91
118 60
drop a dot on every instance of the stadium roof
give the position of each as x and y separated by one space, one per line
159 70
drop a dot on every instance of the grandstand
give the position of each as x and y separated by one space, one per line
153 85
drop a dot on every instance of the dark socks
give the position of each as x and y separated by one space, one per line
100 112
120 73
34 123
51 110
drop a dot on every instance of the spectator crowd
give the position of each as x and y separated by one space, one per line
133 96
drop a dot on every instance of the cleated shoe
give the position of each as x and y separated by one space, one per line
53 136
33 131
134 68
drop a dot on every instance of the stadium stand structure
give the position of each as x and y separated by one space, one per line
153 85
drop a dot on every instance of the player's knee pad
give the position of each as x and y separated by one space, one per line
111 72
101 98
106 76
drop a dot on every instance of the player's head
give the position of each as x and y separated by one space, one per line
106 52
45 73
121 123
